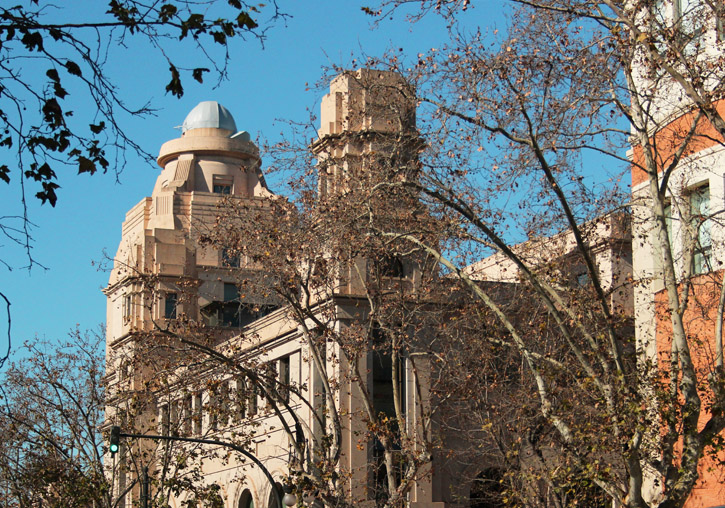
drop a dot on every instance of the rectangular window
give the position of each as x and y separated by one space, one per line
252 404
659 13
689 16
382 371
582 279
127 308
231 308
170 303
222 185
391 266
230 259
701 224
223 404
231 292
667 211
284 378
164 420
212 407
174 418
188 414
240 401
198 415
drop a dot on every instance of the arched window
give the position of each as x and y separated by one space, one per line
391 266
246 500
273 498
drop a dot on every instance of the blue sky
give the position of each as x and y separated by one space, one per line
265 85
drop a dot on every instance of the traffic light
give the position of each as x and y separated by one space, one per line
115 439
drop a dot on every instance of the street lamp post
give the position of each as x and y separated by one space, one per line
288 500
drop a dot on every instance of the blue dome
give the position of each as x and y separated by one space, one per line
209 114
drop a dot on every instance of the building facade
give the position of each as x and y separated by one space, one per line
678 169
196 349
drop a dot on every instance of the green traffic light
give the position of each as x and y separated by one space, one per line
115 440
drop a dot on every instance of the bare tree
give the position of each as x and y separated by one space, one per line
556 85
52 409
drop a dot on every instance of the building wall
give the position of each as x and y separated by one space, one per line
701 167
163 277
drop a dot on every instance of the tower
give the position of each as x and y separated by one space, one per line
164 274
275 376
367 151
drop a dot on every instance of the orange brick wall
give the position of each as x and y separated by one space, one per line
699 322
668 140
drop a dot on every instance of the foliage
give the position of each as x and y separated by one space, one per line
54 405
62 110
52 410
517 112
37 118
535 382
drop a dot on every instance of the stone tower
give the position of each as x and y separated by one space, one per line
210 161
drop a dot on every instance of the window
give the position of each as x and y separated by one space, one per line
124 370
188 416
230 259
222 184
246 500
126 308
668 219
701 223
197 418
218 407
667 212
582 279
223 404
391 266
688 15
659 12
382 370
231 312
174 418
212 408
164 420
239 410
170 305
231 292
284 378
252 404
232 307
218 403
273 501
383 360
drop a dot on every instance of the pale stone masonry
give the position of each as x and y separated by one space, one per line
161 273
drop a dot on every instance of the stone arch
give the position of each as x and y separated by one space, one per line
272 499
246 499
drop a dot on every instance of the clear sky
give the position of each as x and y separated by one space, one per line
265 85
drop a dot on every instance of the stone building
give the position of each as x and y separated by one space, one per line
284 402
277 376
